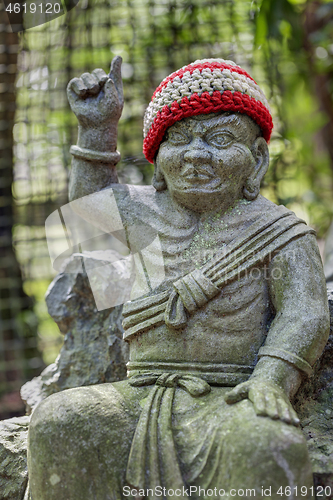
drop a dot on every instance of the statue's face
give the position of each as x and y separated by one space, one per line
206 160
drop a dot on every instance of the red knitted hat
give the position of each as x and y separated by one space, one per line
203 87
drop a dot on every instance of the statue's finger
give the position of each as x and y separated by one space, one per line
259 402
110 88
236 394
284 411
77 86
115 75
101 76
287 414
91 83
271 406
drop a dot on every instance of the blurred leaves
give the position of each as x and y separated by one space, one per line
286 44
295 39
279 20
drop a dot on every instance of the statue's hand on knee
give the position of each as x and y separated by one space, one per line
268 400
97 98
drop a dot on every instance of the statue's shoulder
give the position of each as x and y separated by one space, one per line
296 235
136 192
246 213
263 216
262 206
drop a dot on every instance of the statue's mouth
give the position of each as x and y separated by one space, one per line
198 173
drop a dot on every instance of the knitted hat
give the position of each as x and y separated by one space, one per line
205 86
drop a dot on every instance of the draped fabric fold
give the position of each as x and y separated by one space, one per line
190 293
153 458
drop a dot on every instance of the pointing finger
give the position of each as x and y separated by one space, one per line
109 88
115 75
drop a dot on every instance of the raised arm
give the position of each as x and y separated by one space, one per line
97 101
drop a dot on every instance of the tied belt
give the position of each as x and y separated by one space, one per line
153 454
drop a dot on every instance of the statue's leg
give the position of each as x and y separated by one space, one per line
230 448
79 442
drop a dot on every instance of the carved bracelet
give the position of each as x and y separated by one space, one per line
97 156
298 362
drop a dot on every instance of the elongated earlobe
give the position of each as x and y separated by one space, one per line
251 190
260 154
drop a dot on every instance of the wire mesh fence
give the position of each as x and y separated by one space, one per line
153 38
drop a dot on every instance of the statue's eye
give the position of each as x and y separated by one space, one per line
178 138
220 139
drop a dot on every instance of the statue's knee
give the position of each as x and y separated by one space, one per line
78 416
79 430
268 436
49 421
72 450
275 452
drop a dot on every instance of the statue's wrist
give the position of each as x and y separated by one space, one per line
103 138
279 372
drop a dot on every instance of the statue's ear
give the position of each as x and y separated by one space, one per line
158 180
259 168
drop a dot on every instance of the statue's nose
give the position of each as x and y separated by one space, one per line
197 152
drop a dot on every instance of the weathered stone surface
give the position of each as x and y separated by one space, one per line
93 350
13 458
315 409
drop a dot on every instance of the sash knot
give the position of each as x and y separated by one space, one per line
193 385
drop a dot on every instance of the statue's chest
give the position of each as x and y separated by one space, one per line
182 255
172 253
172 245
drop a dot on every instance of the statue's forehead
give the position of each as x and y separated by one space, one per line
205 122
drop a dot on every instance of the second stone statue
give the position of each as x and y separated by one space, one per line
228 311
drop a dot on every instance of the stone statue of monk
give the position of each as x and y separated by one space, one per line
220 344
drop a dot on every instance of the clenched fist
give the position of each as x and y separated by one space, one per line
97 98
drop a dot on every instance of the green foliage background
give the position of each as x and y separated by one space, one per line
286 45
